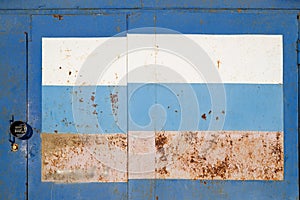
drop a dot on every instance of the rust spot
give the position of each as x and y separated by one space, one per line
70 73
59 17
217 118
92 98
218 64
55 131
223 112
156 198
162 171
119 141
160 140
239 10
203 116
114 102
94 105
118 28
95 112
81 100
59 67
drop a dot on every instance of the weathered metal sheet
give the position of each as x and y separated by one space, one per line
240 115
228 155
231 155
84 158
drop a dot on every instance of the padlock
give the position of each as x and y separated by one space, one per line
20 130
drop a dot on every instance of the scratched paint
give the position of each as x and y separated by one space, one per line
227 155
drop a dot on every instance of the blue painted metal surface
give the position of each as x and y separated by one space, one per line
139 4
228 22
70 26
280 17
12 102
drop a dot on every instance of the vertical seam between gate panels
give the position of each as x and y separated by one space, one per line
27 108
127 107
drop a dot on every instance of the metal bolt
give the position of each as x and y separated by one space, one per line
14 147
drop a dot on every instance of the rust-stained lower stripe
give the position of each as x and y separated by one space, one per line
228 155
76 158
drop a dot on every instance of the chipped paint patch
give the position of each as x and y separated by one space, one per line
230 155
72 158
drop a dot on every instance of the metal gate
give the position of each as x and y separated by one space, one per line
149 101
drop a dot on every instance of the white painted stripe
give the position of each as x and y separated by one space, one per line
236 58
152 58
76 61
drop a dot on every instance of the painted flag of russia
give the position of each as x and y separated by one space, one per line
162 106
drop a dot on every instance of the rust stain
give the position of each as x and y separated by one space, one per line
92 98
119 141
71 158
162 171
230 155
239 10
218 64
203 116
197 155
59 17
114 102
95 112
160 140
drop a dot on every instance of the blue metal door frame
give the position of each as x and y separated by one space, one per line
218 17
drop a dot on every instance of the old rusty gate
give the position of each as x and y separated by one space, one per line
149 100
